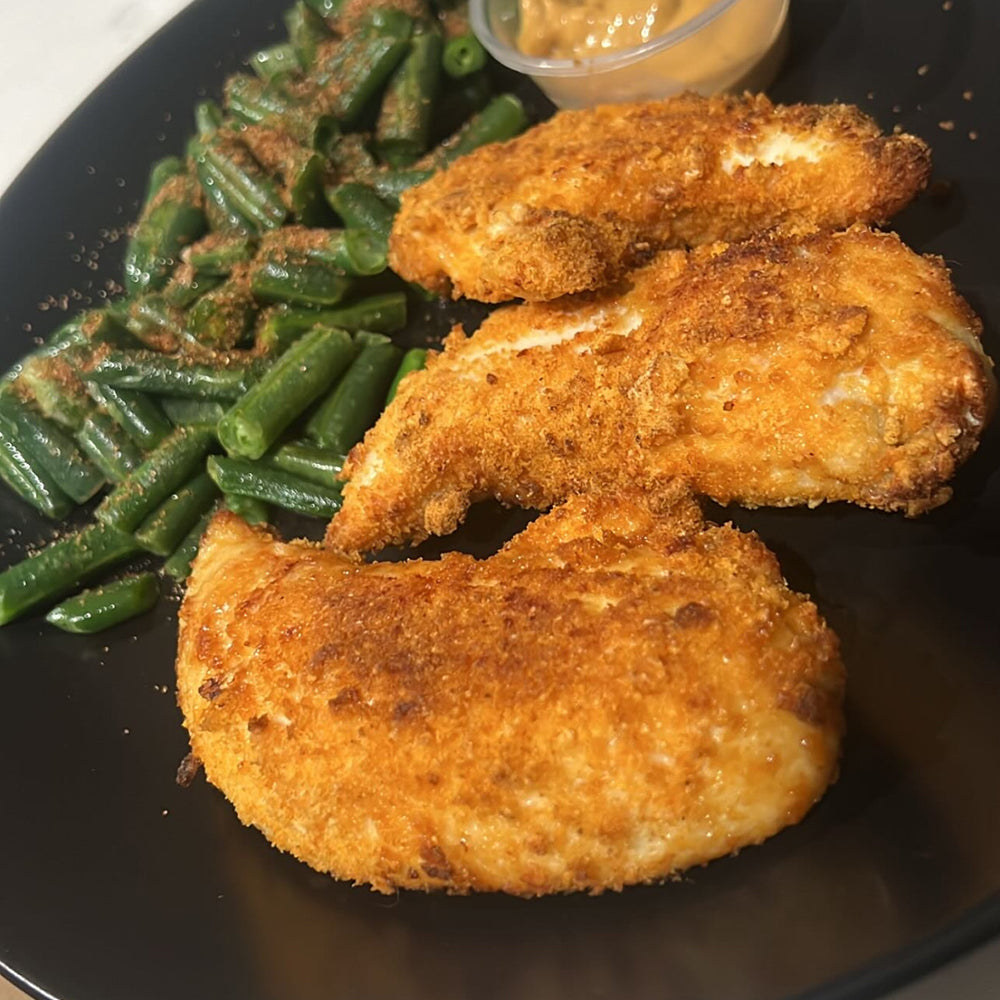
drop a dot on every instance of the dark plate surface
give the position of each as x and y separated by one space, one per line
116 884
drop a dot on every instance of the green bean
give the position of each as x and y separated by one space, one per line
167 526
351 157
257 480
222 317
208 117
361 208
185 412
140 417
226 164
283 277
365 337
60 567
178 565
46 445
293 382
164 470
218 253
176 376
166 330
57 390
161 172
172 219
463 55
252 510
156 322
413 361
389 185
403 126
307 461
105 326
33 485
361 63
306 32
252 100
354 405
503 118
108 447
325 8
95 610
268 63
280 326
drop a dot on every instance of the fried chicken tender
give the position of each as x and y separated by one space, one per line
618 694
779 371
575 201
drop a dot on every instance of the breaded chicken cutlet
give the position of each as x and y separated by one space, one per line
618 694
778 371
575 201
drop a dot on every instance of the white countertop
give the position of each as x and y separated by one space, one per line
84 41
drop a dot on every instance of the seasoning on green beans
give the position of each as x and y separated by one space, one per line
260 481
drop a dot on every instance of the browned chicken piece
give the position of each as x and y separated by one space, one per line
778 371
574 202
617 695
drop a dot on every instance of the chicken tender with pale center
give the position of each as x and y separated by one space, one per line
780 371
575 201
618 694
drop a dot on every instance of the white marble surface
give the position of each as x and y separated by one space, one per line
83 41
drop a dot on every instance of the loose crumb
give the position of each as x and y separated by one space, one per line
896 109
923 70
947 5
973 135
967 95
947 126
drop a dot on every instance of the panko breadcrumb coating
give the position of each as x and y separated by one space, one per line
575 201
779 371
618 694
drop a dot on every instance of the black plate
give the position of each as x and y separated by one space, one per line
116 884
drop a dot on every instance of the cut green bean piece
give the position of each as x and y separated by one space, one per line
365 337
354 405
166 527
325 8
269 63
403 128
352 158
252 100
501 119
360 64
222 317
177 376
252 510
306 32
47 446
308 461
93 611
260 481
33 485
207 118
161 172
361 208
218 253
171 220
189 412
390 184
178 565
463 55
284 277
140 417
413 361
185 287
226 165
57 390
108 447
299 377
282 325
166 469
60 568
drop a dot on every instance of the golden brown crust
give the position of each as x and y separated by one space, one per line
572 203
779 371
618 694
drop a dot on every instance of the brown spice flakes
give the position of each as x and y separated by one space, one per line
210 689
